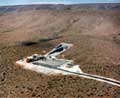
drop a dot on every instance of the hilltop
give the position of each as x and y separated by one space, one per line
18 8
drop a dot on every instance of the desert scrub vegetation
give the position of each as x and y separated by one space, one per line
24 83
116 39
90 31
5 30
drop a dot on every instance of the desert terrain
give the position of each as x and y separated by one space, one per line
94 32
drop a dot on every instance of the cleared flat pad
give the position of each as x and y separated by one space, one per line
49 66
52 62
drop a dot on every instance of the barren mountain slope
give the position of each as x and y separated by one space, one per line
27 25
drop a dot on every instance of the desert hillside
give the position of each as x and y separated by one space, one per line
96 38
95 6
